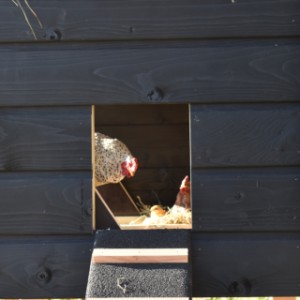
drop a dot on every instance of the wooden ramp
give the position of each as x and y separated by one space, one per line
139 264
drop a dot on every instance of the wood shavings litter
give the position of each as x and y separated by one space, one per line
160 216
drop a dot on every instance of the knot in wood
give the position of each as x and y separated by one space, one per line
155 94
240 288
53 34
43 276
88 211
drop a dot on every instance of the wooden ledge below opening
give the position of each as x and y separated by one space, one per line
138 255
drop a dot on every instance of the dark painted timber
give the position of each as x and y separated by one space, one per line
46 203
245 135
245 265
246 199
44 267
52 138
67 20
190 72
237 64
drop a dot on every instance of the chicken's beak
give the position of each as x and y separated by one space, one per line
133 166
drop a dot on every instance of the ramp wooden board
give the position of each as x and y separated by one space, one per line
133 264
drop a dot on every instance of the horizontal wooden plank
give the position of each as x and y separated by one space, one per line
245 135
40 267
128 115
94 20
138 255
45 138
246 199
46 203
154 226
149 72
245 265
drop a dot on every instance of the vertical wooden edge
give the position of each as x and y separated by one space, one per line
190 155
93 167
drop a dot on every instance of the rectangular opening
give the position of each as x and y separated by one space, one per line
158 136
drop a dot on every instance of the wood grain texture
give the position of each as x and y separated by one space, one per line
246 199
250 135
149 72
45 139
45 203
44 267
168 19
245 265
137 255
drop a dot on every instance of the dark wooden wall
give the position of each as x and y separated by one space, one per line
45 201
235 62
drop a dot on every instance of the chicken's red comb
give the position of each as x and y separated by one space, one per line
129 167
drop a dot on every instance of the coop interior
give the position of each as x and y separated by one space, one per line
158 137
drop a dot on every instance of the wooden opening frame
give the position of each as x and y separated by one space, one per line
124 222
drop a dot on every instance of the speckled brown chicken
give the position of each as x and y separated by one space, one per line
113 160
